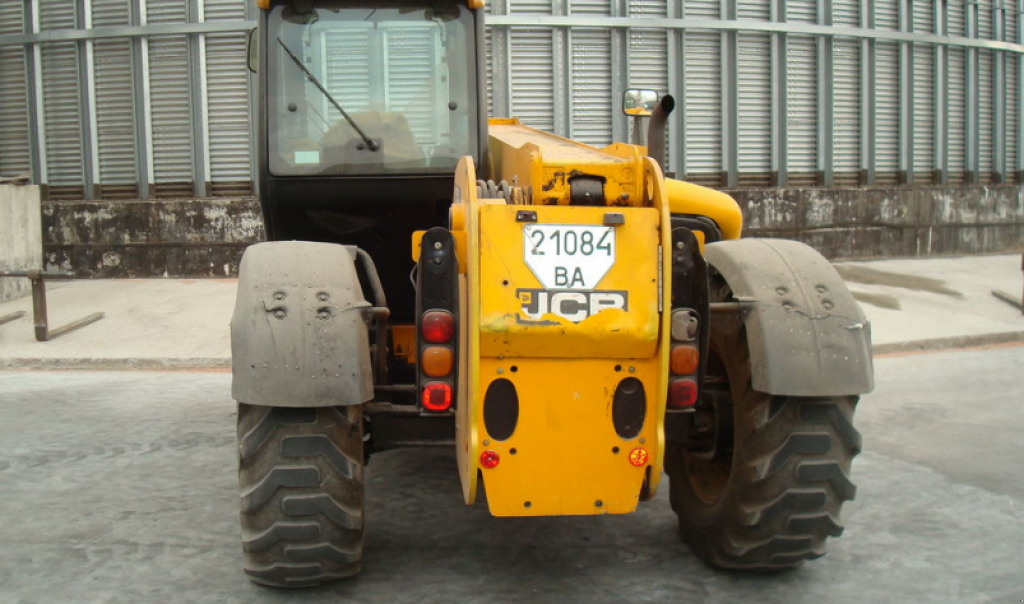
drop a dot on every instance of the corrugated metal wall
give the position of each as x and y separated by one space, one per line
770 92
14 125
97 107
114 140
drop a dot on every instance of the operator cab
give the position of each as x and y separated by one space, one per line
365 109
371 90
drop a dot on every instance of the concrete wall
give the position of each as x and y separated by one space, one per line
21 238
205 238
174 238
888 222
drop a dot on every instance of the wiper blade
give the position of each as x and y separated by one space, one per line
370 143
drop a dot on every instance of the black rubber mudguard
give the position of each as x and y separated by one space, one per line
807 334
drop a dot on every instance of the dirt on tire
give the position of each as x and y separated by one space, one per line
770 499
301 478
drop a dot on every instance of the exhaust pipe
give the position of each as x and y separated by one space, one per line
656 129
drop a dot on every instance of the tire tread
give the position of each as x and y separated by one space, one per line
301 478
789 476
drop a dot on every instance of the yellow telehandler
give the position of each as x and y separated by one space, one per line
572 322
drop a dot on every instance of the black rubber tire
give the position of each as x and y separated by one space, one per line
771 502
301 478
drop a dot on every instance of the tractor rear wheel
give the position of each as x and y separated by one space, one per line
763 486
301 476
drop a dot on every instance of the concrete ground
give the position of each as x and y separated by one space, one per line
173 323
918 304
161 323
120 487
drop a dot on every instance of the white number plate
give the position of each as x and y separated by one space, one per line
569 256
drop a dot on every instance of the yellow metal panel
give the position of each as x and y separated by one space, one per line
527 157
468 414
403 339
507 284
460 246
568 459
656 182
564 456
417 241
688 198
564 460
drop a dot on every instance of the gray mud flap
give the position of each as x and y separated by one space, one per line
808 336
299 333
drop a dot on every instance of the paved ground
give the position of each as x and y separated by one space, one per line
148 322
120 487
161 323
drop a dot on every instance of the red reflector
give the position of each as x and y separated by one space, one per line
682 393
437 326
437 396
489 459
638 456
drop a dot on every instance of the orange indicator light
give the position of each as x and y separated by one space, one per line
436 361
684 359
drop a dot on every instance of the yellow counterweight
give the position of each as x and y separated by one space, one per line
567 304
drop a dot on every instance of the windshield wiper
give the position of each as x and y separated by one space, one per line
370 143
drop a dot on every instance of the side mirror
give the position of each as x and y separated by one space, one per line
639 102
253 50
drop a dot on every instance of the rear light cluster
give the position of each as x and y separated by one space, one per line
437 359
437 323
684 361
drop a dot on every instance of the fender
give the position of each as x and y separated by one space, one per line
807 335
299 335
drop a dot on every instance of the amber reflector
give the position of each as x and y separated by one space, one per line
638 456
437 396
436 361
684 360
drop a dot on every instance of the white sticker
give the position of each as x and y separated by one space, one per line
307 157
569 256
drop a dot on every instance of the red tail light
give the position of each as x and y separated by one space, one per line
437 326
437 396
682 393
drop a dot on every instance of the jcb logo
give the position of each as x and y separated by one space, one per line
572 305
